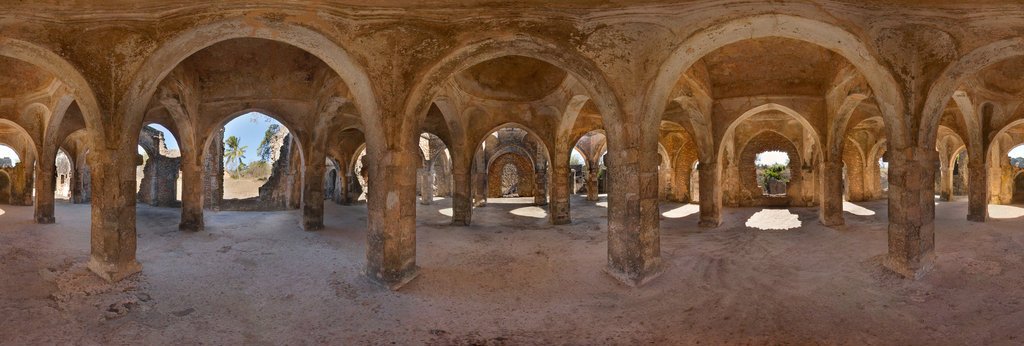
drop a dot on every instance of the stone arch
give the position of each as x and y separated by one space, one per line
204 149
30 154
767 140
174 51
544 151
730 131
524 167
949 80
68 74
583 69
826 35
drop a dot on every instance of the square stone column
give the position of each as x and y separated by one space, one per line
911 211
710 194
462 201
479 189
313 191
977 189
634 240
540 196
425 176
113 239
191 192
46 175
391 226
830 210
561 184
592 193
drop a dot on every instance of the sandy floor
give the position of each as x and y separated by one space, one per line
241 188
256 278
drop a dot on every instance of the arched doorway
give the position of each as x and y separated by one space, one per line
511 175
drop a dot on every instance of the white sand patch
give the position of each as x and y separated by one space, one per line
773 219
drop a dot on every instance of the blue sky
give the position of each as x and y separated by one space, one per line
249 128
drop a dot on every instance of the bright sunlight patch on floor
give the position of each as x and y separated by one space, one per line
997 211
682 211
534 212
856 209
445 211
773 219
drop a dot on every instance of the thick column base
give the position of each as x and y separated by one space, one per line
832 221
46 220
312 224
114 272
709 222
392 280
191 226
977 217
638 278
910 269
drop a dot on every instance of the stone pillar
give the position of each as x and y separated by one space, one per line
710 194
213 175
44 184
595 171
313 191
977 189
425 176
562 181
340 187
540 196
831 208
911 211
480 189
191 192
462 190
946 183
391 225
113 240
634 243
353 189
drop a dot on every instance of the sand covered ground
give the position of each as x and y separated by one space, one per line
764 277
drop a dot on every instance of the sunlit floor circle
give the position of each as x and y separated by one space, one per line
997 211
856 209
602 204
2 212
773 219
445 211
682 211
534 212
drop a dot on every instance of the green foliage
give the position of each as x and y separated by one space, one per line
234 151
775 172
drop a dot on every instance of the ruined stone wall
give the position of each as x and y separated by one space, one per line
525 171
283 189
16 185
751 193
159 184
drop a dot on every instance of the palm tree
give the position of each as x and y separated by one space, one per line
233 150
